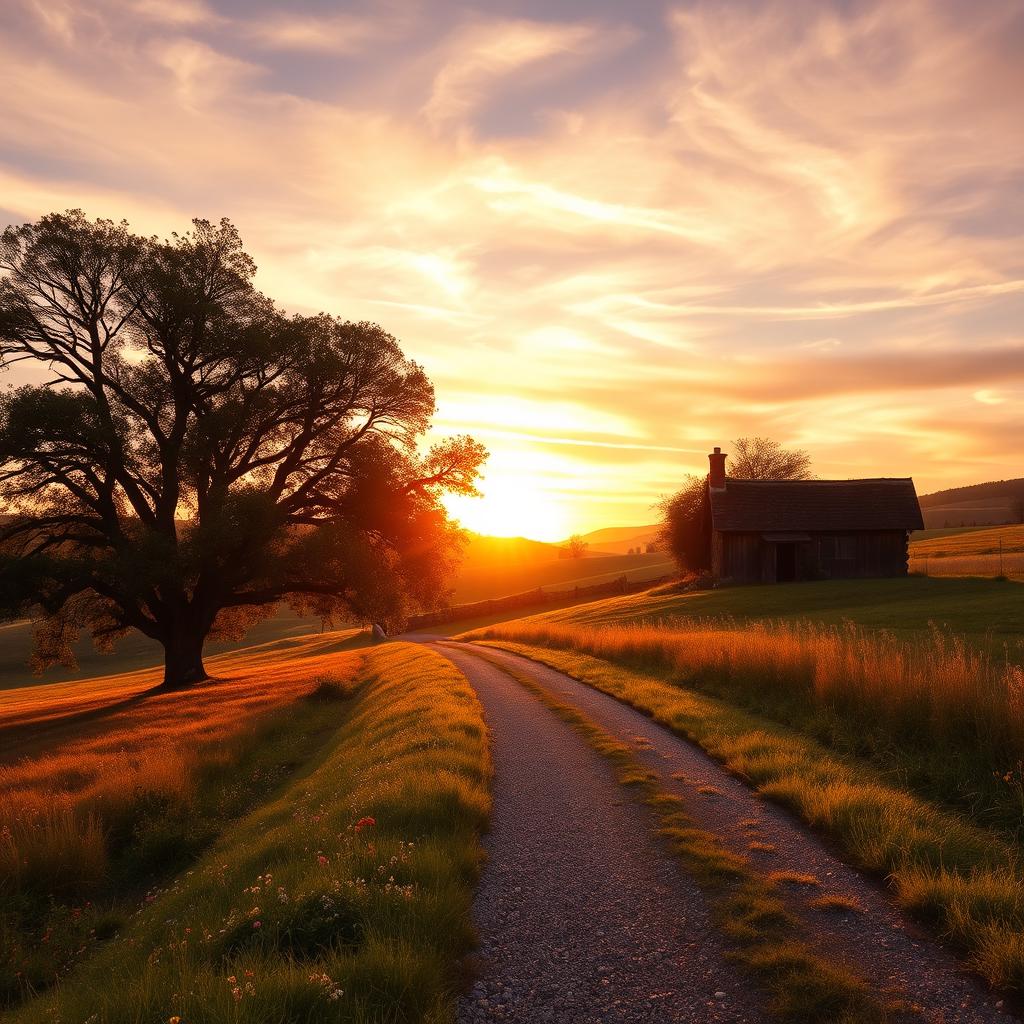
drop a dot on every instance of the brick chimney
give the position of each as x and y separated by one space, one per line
716 474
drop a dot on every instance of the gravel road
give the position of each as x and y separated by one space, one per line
879 941
583 917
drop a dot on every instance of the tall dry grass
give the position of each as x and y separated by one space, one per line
938 689
958 708
1010 563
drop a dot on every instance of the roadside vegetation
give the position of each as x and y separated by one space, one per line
817 720
803 987
340 837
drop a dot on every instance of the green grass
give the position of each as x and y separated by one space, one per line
802 986
344 896
977 607
967 882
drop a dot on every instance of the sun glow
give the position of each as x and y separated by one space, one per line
516 506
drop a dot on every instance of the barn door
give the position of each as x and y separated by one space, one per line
785 563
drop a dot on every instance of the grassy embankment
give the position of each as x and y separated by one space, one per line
802 986
908 750
217 870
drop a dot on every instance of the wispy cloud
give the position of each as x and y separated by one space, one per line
614 238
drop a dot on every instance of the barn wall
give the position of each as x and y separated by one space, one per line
748 558
743 557
859 555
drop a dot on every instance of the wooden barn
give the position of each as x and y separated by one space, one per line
774 531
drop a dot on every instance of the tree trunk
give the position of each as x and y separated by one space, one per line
183 660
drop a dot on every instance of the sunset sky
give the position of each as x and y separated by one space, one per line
615 234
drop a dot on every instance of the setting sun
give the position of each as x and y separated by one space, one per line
512 506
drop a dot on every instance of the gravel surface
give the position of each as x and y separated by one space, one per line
582 915
880 942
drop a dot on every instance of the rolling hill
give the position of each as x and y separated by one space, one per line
986 504
619 539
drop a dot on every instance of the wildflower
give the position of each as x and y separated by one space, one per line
257 924
366 822
322 860
173 1020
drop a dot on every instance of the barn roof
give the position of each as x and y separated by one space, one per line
754 506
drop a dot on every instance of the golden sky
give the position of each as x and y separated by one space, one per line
614 234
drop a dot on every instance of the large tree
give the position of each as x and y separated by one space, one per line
193 457
685 522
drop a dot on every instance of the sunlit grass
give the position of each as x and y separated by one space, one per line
119 801
345 895
942 713
965 879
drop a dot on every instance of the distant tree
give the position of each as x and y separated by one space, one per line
196 456
760 458
577 546
685 522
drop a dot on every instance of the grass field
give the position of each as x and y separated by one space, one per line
978 608
300 833
497 567
991 551
889 713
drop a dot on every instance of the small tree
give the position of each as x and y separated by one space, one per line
685 520
760 458
577 546
197 456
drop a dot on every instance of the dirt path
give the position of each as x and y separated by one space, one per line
582 916
539 760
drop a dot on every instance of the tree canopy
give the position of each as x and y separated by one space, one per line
761 458
195 456
685 522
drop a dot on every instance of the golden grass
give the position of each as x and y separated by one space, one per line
964 879
345 895
1010 563
114 749
971 542
867 692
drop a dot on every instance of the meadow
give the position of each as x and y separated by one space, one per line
996 551
898 732
298 834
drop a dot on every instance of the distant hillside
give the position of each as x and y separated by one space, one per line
483 551
984 504
619 539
